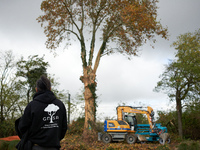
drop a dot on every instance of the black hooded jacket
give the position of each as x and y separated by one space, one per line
45 120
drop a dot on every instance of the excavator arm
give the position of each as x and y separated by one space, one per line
129 109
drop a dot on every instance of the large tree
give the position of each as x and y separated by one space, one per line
117 25
181 77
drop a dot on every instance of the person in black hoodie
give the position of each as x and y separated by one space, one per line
44 122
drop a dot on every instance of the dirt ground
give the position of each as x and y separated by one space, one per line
75 142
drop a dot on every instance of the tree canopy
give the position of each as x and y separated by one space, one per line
8 87
128 23
181 77
29 71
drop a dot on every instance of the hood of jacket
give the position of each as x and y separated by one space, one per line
44 97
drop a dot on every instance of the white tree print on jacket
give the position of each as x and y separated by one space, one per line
51 110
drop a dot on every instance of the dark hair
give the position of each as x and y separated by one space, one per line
43 84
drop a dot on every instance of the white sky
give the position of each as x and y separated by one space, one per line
118 79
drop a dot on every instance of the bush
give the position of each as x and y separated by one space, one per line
190 121
194 146
5 145
183 146
100 126
168 119
189 146
76 127
7 128
163 147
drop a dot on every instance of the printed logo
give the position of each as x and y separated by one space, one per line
51 109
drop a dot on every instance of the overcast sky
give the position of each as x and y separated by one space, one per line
118 79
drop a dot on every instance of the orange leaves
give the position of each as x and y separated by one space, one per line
138 19
74 141
139 16
126 22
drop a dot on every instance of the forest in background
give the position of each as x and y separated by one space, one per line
18 78
124 24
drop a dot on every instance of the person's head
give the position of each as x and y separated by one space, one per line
43 84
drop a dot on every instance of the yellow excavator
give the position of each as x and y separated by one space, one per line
126 127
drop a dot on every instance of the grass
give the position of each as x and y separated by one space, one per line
8 145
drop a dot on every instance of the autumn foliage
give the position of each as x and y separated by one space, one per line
101 27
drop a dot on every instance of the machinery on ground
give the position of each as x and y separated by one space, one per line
126 127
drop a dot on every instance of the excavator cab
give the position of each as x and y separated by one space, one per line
132 121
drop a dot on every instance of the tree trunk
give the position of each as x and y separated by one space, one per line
1 117
28 95
89 109
69 111
2 110
88 79
1 103
179 113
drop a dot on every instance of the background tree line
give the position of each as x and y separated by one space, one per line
17 86
180 81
